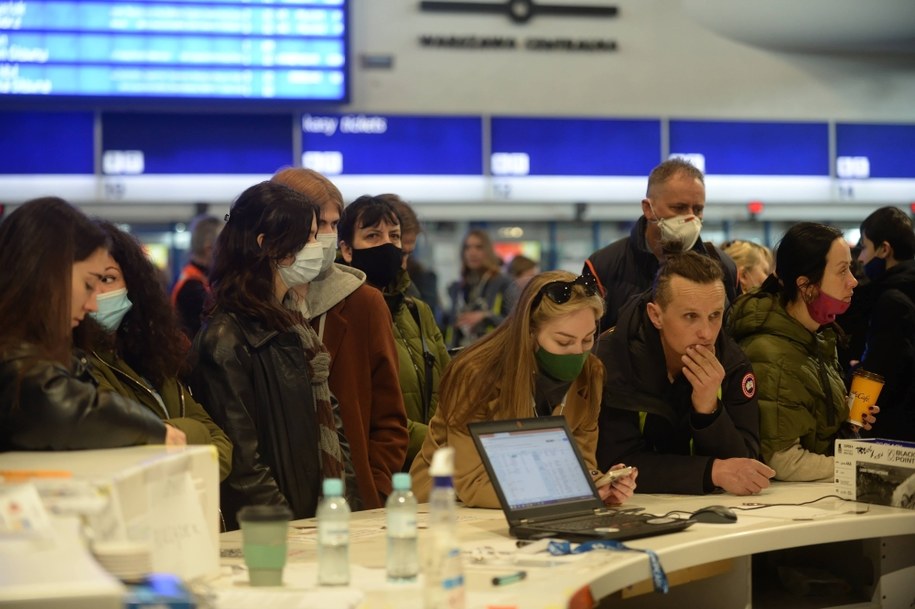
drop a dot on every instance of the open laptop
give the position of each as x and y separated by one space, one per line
545 488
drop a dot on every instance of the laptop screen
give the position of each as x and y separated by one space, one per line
536 467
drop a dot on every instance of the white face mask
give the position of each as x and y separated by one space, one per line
112 307
305 267
329 241
679 229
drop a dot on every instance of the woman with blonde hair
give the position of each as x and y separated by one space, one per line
478 297
538 362
754 263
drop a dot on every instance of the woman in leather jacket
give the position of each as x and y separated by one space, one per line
255 366
51 263
138 349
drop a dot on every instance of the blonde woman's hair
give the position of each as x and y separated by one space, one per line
747 255
491 264
502 364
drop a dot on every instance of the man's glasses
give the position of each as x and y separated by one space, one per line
561 291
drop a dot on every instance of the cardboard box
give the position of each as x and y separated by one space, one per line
876 471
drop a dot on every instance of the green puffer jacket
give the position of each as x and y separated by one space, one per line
411 359
799 383
181 409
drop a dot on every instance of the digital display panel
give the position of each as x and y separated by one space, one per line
357 144
175 49
138 144
574 147
753 148
46 143
875 151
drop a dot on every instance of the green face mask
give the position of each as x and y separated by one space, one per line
565 367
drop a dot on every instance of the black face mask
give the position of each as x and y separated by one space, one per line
380 263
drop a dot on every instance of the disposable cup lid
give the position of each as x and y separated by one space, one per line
264 513
869 375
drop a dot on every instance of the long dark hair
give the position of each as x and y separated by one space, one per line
148 338
801 253
39 244
242 276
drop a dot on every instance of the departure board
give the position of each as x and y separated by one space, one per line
574 147
168 49
373 144
753 148
144 144
875 151
46 143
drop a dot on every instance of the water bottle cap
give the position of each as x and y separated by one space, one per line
333 487
401 481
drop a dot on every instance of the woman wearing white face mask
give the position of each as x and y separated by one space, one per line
353 321
137 347
257 367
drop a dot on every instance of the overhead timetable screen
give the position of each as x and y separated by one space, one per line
204 49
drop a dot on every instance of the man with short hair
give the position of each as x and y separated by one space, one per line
192 287
679 399
671 212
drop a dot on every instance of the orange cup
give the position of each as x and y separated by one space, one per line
865 389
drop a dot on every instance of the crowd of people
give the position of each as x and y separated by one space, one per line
299 344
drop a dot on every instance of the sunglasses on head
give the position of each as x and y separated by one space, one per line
561 291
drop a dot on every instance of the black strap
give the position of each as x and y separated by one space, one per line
428 359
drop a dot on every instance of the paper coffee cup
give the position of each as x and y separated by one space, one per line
865 389
264 529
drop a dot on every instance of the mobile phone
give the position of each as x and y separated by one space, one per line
612 475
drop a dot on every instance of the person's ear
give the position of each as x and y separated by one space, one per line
647 211
887 250
260 240
806 289
742 278
346 251
654 314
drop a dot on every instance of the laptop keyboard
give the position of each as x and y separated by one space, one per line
617 521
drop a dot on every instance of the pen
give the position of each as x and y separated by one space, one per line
503 580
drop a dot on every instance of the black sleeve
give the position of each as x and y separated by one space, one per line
189 304
55 410
221 380
734 431
620 440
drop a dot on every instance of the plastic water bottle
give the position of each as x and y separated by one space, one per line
333 535
402 559
444 581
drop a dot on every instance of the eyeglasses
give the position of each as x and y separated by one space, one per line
561 291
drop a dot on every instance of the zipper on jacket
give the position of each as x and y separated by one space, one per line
136 383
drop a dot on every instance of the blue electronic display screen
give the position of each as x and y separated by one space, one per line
348 144
754 148
278 50
890 149
197 144
579 147
39 143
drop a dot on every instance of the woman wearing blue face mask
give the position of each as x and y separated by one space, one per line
786 329
137 348
538 362
48 400
257 367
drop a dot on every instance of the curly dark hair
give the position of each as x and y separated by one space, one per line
149 338
243 270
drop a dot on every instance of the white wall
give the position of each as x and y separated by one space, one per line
666 64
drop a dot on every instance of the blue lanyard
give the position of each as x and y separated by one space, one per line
658 577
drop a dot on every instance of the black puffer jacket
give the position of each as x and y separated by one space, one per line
254 383
647 421
45 406
628 267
